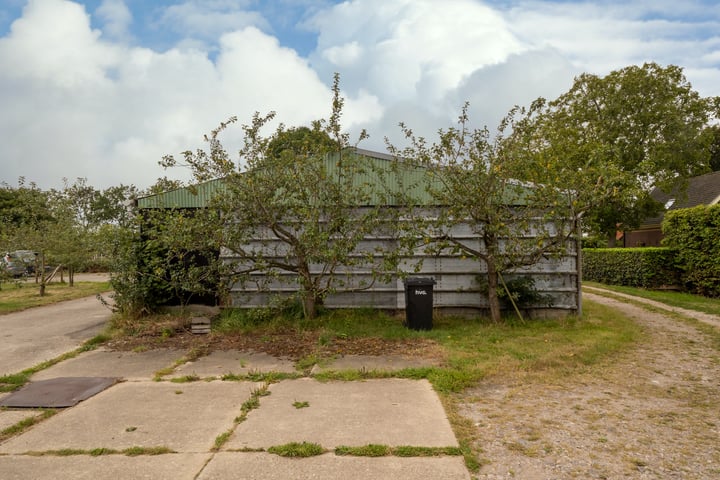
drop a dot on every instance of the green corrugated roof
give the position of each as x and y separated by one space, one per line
400 179
399 176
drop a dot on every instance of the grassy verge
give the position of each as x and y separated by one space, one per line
675 299
21 296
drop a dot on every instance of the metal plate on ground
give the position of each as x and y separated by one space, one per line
57 392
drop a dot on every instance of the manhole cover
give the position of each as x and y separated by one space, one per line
57 392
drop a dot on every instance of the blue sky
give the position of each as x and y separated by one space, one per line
103 89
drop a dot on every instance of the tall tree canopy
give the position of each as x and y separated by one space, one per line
637 128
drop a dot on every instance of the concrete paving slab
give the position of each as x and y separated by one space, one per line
389 411
8 418
43 333
387 363
85 467
183 417
107 363
219 363
240 466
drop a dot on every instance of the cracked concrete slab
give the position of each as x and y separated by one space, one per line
242 466
107 363
183 417
86 467
220 362
389 411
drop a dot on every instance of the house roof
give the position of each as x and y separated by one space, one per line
701 190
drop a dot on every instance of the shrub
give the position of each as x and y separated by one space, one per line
693 233
649 267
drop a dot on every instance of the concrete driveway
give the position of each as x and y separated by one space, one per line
38 334
199 430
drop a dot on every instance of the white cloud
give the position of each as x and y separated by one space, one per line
83 102
116 17
109 112
409 50
599 37
207 19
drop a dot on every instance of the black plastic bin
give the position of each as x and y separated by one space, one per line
419 303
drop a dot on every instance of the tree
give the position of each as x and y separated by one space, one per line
636 128
713 132
290 205
474 182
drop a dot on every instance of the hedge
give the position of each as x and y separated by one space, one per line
695 234
649 267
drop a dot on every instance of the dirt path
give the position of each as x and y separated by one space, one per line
654 414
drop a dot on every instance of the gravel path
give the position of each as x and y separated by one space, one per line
654 414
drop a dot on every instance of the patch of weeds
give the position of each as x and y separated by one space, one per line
179 392
267 377
300 405
140 349
163 372
95 342
97 452
371 450
297 450
130 429
25 423
306 363
191 356
410 451
186 379
252 403
65 452
136 451
10 383
465 432
222 440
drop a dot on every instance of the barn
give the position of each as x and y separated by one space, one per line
458 286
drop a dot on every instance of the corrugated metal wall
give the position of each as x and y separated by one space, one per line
456 288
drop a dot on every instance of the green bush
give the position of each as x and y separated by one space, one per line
694 233
649 267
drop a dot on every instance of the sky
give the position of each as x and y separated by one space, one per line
103 89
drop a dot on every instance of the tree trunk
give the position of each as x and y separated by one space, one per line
612 240
308 292
71 276
493 300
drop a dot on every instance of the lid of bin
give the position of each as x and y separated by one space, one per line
419 281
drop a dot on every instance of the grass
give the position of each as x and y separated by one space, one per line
21 296
297 450
668 297
96 452
24 424
373 450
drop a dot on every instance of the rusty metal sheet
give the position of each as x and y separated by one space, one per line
57 392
